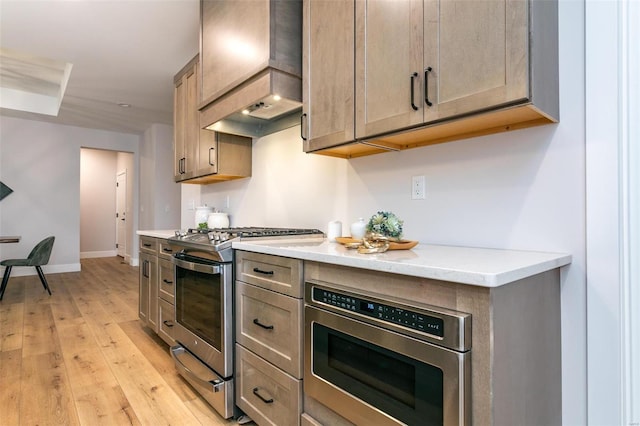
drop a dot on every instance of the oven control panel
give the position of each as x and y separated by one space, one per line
391 314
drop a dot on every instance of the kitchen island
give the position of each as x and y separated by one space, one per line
513 298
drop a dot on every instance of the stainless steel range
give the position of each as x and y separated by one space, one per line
203 276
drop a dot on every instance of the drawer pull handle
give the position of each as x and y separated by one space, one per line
167 250
166 281
266 401
260 271
168 323
266 327
146 244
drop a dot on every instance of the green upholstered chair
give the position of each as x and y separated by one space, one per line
39 256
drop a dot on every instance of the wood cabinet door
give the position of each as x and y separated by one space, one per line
147 306
186 124
328 69
234 44
389 58
179 111
192 123
478 55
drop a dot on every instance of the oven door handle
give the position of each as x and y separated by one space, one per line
198 267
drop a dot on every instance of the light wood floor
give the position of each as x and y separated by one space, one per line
82 357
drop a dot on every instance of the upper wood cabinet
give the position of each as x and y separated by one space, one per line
431 71
186 127
328 86
201 155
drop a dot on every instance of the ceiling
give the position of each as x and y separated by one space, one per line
121 52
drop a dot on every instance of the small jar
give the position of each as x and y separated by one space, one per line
218 220
358 229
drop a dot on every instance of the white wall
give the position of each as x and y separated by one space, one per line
519 190
159 194
98 170
288 188
41 162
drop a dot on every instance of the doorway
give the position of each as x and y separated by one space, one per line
106 191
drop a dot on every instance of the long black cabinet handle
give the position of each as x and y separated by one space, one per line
166 281
168 323
257 322
260 271
266 401
167 250
145 272
211 163
413 103
426 86
302 126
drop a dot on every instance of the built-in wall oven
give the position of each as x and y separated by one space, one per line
204 305
375 361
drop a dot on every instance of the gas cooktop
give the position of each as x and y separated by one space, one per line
220 239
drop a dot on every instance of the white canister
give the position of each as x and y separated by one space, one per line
334 230
358 229
202 214
218 220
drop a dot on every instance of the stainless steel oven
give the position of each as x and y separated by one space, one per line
203 327
375 361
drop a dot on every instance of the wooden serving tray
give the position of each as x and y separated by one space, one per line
393 245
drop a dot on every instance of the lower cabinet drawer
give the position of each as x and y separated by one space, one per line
270 325
166 289
267 394
167 319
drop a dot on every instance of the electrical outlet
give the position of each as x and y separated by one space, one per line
417 188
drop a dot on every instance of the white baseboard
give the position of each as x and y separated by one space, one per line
22 271
93 254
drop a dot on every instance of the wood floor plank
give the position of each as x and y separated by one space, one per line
10 366
39 330
104 406
11 325
45 394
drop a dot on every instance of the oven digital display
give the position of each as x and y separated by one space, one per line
391 314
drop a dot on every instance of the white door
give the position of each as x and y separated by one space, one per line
121 211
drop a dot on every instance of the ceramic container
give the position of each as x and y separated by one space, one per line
334 230
218 220
358 229
202 214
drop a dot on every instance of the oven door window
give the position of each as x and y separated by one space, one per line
198 304
406 389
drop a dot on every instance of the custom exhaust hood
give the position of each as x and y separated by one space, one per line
250 66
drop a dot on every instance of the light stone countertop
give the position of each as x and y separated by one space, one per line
476 266
158 233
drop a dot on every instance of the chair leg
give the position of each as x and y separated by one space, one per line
5 280
43 279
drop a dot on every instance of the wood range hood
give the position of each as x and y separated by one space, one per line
250 66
